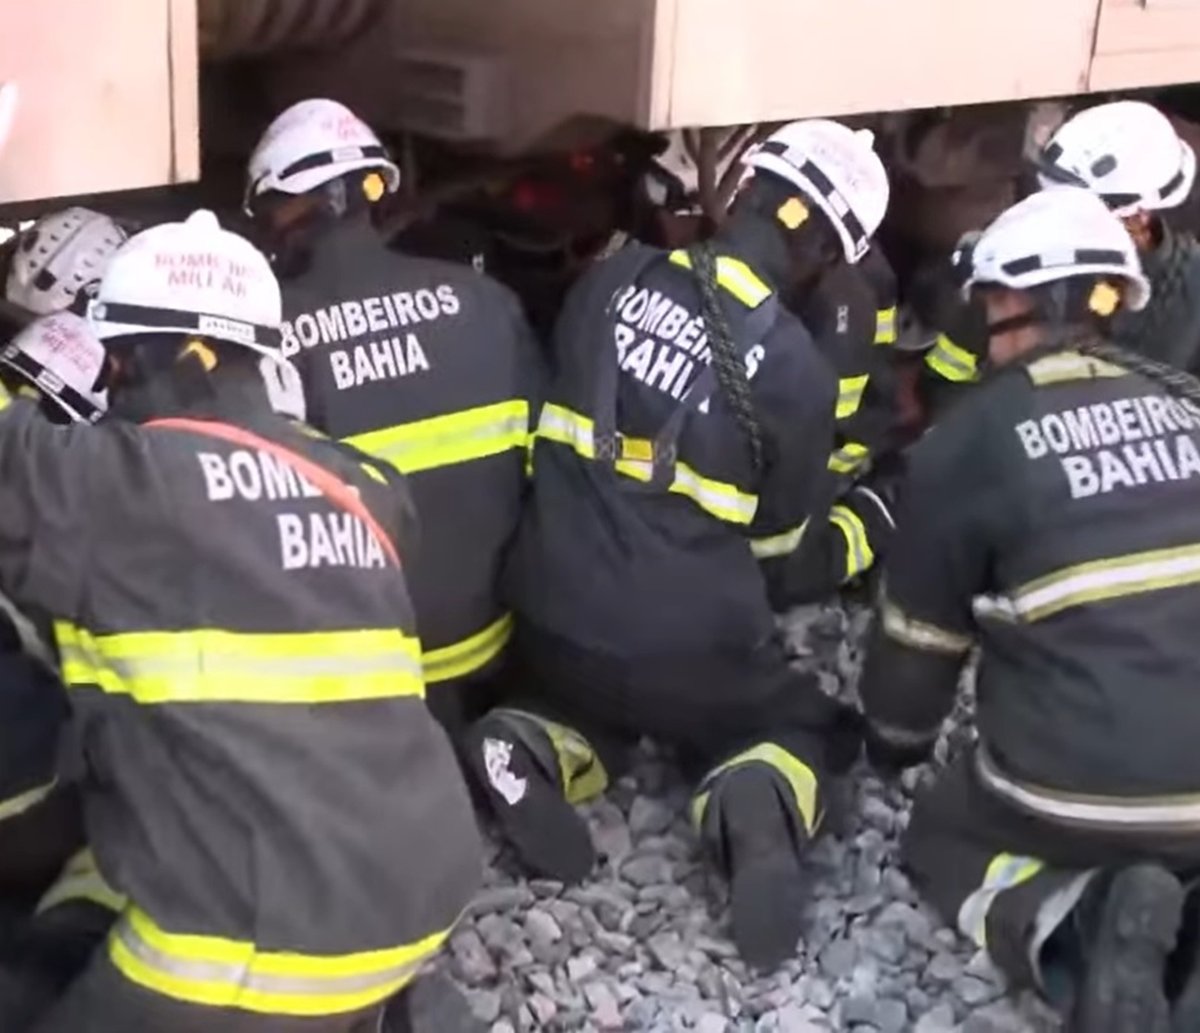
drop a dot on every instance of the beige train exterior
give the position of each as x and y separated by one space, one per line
109 90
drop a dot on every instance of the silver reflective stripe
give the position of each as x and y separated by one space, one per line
31 642
1005 872
505 429
726 503
566 428
920 634
1178 813
235 975
783 544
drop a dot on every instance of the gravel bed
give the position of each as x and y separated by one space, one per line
644 945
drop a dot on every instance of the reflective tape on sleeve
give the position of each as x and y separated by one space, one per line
1005 872
922 635
849 457
952 362
859 554
459 437
885 325
210 665
462 658
776 545
733 275
850 395
223 973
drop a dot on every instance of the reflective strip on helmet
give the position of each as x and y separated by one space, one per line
922 635
469 655
723 500
1177 812
735 276
1102 580
952 362
214 666
776 545
885 326
849 457
223 973
446 440
850 395
221 328
859 554
74 403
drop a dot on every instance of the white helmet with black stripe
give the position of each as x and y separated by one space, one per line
58 257
61 358
1054 235
836 168
313 143
1127 152
190 277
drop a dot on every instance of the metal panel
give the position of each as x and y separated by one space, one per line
107 95
1146 43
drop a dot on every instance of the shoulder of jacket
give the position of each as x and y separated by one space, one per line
1066 366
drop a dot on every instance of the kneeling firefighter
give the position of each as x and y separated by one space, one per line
262 780
682 449
1054 523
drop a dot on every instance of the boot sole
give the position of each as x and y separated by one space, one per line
767 884
550 837
1123 990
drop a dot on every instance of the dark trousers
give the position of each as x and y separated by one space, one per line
1011 881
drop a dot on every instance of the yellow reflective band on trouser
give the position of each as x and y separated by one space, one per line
214 666
1067 366
849 457
800 779
1102 580
735 276
1004 872
455 438
80 880
922 635
952 362
724 501
859 554
850 395
885 325
470 654
223 973
582 775
17 805
783 544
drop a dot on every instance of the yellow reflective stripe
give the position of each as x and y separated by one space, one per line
859 554
778 544
1106 579
849 457
721 499
224 973
951 362
445 440
1003 873
5 398
801 779
850 395
469 655
1068 366
214 666
930 638
885 325
80 879
735 276
26 801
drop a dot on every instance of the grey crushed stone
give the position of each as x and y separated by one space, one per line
643 946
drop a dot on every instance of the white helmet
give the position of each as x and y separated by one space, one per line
312 143
1127 152
59 256
1053 235
673 181
190 278
8 110
60 356
838 169
285 389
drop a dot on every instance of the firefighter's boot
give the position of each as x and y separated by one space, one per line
755 840
532 772
1128 940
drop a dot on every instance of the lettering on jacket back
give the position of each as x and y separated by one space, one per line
306 540
1127 443
392 350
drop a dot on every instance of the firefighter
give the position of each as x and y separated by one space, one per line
426 365
262 779
59 258
1054 525
680 453
1129 154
